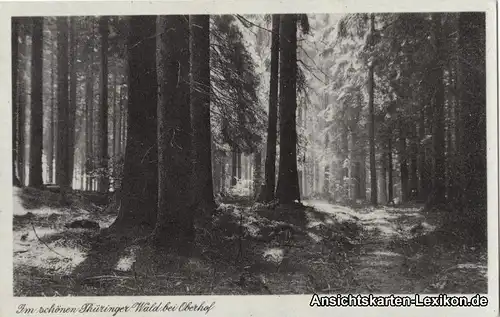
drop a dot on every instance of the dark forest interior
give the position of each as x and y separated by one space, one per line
249 154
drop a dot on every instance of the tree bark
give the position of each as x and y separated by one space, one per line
175 215
62 166
36 123
472 84
371 131
139 191
21 109
14 100
200 114
437 197
234 167
403 162
72 97
390 186
50 150
288 186
89 102
268 188
103 107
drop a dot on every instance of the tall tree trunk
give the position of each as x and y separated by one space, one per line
288 183
238 164
403 162
371 131
139 189
89 100
88 125
14 100
72 97
437 197
422 160
21 109
223 174
234 167
36 123
62 155
270 164
472 84
413 140
257 172
382 193
390 185
50 149
103 106
117 123
200 114
175 216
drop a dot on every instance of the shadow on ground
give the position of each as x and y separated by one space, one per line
251 249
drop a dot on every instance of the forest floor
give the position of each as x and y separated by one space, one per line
316 247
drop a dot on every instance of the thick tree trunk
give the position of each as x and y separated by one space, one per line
139 189
62 155
288 183
175 215
437 197
200 114
36 123
103 106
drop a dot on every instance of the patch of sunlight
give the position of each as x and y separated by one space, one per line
45 211
125 263
377 222
483 269
386 230
18 209
274 255
386 253
428 227
43 231
315 237
60 259
378 262
252 229
329 221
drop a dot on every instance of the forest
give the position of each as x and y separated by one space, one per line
249 154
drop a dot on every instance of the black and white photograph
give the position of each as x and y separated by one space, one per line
250 154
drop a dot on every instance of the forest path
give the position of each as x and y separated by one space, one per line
397 253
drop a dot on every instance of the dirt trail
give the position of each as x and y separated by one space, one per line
385 263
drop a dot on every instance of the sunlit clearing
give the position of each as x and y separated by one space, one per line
274 255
